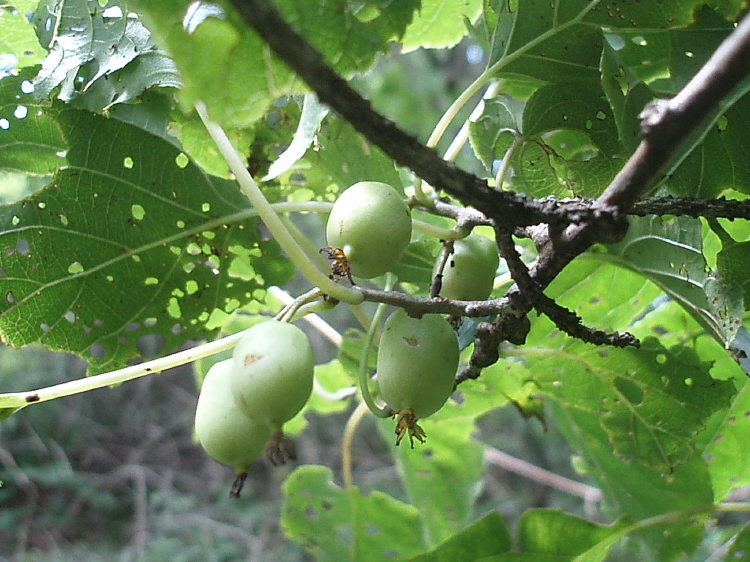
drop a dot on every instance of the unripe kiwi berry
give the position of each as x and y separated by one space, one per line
272 372
371 223
417 362
224 431
469 273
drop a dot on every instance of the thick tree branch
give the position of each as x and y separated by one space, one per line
690 206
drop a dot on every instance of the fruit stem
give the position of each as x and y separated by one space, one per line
364 382
286 313
268 215
346 443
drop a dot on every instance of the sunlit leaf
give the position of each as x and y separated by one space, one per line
440 23
30 140
129 239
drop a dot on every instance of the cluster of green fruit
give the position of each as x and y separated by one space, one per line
245 401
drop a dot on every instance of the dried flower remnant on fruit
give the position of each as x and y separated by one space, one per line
407 425
280 449
340 267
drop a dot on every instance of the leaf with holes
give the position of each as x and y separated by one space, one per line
337 525
636 490
30 140
18 43
98 55
650 401
669 253
129 239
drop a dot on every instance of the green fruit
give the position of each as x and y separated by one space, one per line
272 374
371 223
469 273
417 361
223 430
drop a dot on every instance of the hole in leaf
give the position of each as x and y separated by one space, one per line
173 308
22 246
97 350
138 212
20 112
206 207
128 162
150 345
4 124
70 316
180 224
27 87
75 267
182 160
151 281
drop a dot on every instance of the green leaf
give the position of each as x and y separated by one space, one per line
17 37
98 55
733 263
342 157
337 525
5 413
669 253
552 531
739 551
416 265
443 476
130 239
637 491
350 352
651 401
494 131
574 124
30 140
485 537
244 78
331 377
726 455
440 23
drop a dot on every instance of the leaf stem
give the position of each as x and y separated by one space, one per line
507 157
156 366
481 80
268 215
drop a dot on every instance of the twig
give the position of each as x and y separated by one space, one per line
544 477
567 320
